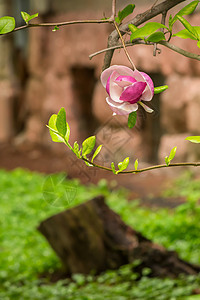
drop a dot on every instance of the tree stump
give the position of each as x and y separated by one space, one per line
92 237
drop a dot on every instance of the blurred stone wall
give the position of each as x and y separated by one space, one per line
54 71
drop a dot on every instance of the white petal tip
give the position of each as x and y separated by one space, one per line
146 108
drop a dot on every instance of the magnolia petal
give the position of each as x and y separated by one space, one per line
121 109
121 70
146 108
149 90
148 80
115 89
125 80
108 86
134 92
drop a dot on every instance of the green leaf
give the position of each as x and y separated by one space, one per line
146 30
124 13
132 119
67 133
61 123
88 145
117 20
136 164
198 44
53 130
193 139
185 34
132 28
187 10
160 89
113 167
76 149
123 165
167 160
170 22
26 17
172 153
88 164
96 152
156 37
189 27
55 28
7 24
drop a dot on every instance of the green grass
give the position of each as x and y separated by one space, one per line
27 198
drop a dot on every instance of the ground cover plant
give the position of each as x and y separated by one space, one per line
24 253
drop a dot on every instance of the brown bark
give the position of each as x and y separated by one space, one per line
91 237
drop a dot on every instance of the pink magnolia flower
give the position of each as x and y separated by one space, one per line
126 88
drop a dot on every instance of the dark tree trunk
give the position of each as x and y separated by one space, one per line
93 237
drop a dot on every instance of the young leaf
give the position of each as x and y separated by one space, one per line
185 34
96 152
26 17
119 165
61 123
172 153
193 139
124 13
88 145
170 22
167 160
76 149
88 164
53 129
198 44
132 27
7 24
136 164
132 119
160 89
113 167
156 37
146 30
188 26
187 10
123 165
67 133
55 28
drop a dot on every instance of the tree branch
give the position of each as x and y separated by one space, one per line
179 50
184 164
141 42
118 46
139 19
113 9
110 20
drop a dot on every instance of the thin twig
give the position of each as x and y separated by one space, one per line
124 46
163 19
113 9
140 42
61 24
184 164
179 50
118 46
